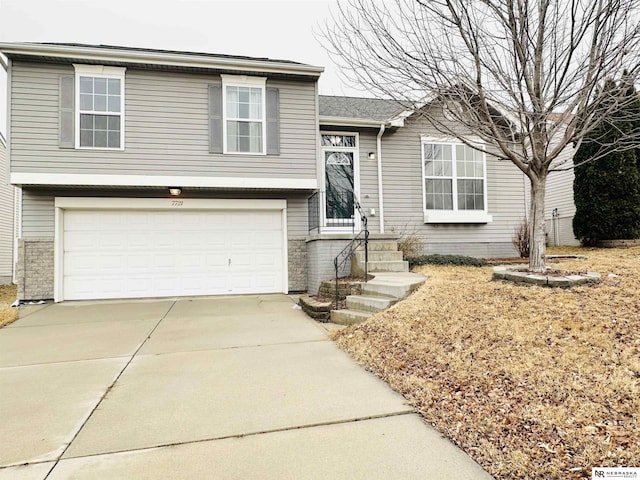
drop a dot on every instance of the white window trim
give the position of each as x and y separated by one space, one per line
244 81
103 72
356 179
455 215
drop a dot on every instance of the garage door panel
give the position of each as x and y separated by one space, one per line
214 260
80 263
111 240
128 254
81 240
263 260
241 241
83 287
138 262
266 223
137 239
109 220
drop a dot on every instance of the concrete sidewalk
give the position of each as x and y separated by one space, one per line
225 388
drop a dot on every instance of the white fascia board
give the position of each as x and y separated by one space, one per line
97 54
350 122
161 181
398 120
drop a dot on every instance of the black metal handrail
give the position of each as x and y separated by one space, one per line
313 207
337 207
362 237
341 259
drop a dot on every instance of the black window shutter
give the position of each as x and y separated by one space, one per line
67 112
215 119
273 121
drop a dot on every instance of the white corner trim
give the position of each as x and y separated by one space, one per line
173 203
285 253
58 256
459 216
95 180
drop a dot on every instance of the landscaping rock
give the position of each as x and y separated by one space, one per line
317 310
515 274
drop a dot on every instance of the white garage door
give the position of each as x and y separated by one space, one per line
157 253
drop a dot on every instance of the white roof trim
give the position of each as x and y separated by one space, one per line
351 122
161 181
98 54
398 120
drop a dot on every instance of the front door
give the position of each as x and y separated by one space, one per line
339 153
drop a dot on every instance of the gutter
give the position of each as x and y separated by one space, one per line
115 55
380 193
348 122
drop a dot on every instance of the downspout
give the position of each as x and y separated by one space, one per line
380 194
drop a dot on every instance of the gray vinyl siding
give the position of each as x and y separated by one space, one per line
559 194
166 128
38 211
6 220
38 220
403 200
369 197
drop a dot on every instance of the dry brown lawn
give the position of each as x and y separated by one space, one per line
7 297
531 382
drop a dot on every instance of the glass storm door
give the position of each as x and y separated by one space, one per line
340 178
338 171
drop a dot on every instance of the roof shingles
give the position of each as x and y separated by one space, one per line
362 108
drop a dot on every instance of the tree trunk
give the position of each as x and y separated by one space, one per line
537 227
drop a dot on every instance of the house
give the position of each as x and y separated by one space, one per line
411 181
149 173
6 218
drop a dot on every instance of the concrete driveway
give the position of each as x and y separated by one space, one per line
225 388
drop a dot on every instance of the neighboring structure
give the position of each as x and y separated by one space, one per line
559 206
146 173
6 218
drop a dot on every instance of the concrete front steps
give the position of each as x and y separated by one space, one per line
386 289
391 283
383 257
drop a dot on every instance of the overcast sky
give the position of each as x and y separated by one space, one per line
257 28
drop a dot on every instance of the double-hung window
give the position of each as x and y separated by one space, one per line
454 183
244 121
99 107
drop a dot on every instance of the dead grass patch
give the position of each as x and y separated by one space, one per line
7 297
531 382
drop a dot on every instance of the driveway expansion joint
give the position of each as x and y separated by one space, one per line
409 411
239 347
109 388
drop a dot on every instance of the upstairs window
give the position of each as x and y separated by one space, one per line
454 183
100 107
244 114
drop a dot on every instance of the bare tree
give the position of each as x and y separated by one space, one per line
522 76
